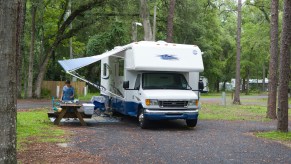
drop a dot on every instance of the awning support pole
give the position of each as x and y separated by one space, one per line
100 88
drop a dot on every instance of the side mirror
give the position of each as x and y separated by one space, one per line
125 84
200 85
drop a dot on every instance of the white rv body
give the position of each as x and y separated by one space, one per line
153 57
163 80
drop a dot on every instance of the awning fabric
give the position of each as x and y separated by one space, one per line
74 64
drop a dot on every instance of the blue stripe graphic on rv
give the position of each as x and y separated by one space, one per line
168 57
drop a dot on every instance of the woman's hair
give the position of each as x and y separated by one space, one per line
68 82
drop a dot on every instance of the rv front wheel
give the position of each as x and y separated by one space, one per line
191 123
143 122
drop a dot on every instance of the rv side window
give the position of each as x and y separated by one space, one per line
104 69
137 82
121 67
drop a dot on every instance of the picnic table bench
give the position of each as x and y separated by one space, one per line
69 110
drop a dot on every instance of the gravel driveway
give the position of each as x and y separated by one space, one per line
173 142
33 103
170 141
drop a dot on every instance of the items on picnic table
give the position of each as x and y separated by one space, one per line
56 105
97 103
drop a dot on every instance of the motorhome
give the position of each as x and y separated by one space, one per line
148 80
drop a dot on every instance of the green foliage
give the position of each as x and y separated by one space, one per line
209 24
115 35
45 93
34 126
255 40
88 96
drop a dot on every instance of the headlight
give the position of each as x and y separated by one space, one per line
193 103
151 102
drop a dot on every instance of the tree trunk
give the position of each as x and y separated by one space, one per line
24 72
243 85
236 99
155 23
284 68
248 81
170 24
31 54
41 74
8 80
258 86
264 75
145 15
217 85
19 43
273 65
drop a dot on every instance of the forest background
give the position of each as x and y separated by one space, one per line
63 29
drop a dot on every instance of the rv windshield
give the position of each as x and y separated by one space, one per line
164 81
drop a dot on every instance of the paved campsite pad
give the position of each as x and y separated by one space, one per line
165 142
173 142
120 140
94 120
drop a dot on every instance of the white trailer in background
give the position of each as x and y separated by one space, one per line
205 83
149 80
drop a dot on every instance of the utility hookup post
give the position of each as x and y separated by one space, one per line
134 30
223 99
85 90
58 91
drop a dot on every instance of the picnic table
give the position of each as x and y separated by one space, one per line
69 110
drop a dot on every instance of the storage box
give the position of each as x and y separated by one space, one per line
88 109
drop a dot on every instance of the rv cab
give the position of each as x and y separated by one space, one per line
164 95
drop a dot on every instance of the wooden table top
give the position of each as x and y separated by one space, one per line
70 105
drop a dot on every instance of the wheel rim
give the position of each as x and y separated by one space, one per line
141 118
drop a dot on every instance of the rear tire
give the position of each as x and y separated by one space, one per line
191 123
143 122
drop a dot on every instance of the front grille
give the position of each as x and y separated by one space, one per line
173 104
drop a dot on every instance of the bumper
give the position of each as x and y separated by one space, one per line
170 114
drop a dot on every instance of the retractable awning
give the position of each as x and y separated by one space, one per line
71 65
75 64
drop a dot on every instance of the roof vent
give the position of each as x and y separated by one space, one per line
161 42
117 47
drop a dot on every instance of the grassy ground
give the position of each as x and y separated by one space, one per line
232 112
243 112
215 94
274 135
34 126
284 138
